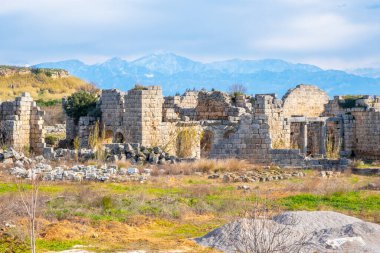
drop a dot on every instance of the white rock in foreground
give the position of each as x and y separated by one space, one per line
326 232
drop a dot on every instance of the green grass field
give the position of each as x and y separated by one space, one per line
167 211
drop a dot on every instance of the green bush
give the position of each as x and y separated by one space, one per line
139 87
349 101
106 203
80 104
41 102
51 140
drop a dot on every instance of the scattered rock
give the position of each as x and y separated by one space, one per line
257 175
80 172
329 174
243 187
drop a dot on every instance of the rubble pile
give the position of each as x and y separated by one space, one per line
80 173
138 154
257 176
114 152
12 156
27 168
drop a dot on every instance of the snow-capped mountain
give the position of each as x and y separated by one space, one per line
177 73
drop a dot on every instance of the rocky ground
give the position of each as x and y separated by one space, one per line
257 175
24 167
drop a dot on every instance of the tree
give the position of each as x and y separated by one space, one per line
81 103
237 89
29 198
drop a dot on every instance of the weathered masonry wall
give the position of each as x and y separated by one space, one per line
21 124
112 107
304 100
353 127
251 141
366 127
262 129
279 129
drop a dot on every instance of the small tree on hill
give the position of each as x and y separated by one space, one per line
80 104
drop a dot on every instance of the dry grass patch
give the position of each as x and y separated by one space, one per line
207 166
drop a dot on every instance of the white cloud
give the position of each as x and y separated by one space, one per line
34 30
324 32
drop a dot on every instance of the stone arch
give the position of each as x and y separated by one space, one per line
206 143
304 100
119 138
108 136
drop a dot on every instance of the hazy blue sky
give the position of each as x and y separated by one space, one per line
329 33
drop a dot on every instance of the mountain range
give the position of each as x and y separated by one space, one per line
177 73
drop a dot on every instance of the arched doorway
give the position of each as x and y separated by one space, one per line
119 138
109 137
206 143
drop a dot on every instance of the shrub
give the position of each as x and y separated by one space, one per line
186 140
51 139
41 102
80 104
349 101
106 203
237 89
139 87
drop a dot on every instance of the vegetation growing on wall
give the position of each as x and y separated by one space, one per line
349 101
96 139
279 144
187 139
237 89
139 87
80 104
332 148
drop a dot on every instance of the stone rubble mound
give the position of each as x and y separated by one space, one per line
27 168
138 154
11 156
257 176
80 173
68 154
114 152
325 231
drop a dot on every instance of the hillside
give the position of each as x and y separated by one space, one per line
42 83
176 74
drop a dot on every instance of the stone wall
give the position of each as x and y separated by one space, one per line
304 100
366 139
113 108
85 129
251 141
262 129
21 124
176 108
353 126
279 129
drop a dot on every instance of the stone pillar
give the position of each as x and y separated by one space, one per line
322 147
303 136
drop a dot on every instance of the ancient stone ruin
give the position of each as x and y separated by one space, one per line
21 124
262 129
303 129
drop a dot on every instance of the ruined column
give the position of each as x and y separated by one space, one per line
322 147
303 136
